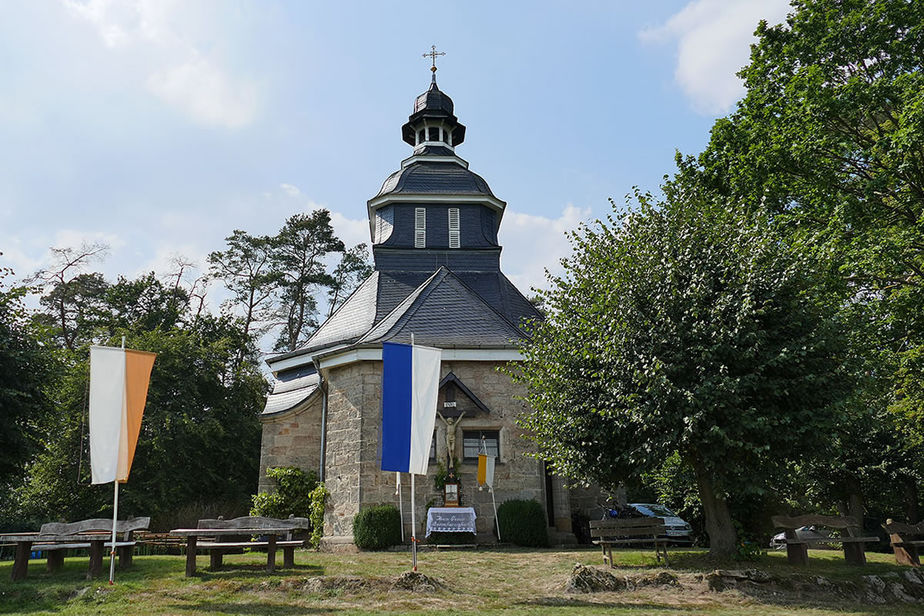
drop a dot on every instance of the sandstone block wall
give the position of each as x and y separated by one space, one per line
351 392
292 438
354 476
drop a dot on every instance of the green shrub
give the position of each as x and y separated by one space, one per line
318 498
376 528
523 522
292 495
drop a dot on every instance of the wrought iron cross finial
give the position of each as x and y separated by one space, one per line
432 54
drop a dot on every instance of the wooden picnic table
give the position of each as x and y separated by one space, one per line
263 527
54 545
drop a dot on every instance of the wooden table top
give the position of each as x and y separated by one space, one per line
38 538
218 532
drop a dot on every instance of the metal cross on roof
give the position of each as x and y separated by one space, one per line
432 55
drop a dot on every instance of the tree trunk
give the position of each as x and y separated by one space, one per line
854 504
910 496
719 523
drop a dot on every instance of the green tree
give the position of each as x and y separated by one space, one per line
26 367
69 293
686 328
200 435
350 272
246 268
299 252
829 139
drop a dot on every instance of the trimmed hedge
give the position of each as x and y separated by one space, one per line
522 522
377 528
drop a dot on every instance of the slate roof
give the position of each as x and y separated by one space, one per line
433 99
432 177
445 313
434 105
352 319
441 307
287 394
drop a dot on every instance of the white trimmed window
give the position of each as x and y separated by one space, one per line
420 227
453 227
475 442
384 223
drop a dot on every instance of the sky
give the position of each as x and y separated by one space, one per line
160 126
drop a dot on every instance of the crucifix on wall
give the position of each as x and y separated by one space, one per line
452 423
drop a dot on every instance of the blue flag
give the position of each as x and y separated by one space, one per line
410 384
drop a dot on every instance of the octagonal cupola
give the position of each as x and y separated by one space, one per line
434 211
432 125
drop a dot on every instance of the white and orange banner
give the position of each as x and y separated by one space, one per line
118 390
486 470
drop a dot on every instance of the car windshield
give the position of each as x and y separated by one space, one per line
660 510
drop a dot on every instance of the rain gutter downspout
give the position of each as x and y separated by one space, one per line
323 385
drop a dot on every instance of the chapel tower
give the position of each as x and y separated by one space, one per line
434 232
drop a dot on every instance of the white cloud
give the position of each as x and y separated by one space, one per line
533 244
74 238
289 189
206 93
161 40
713 40
18 257
352 231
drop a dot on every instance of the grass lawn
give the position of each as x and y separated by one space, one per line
508 581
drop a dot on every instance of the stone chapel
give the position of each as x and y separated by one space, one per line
433 226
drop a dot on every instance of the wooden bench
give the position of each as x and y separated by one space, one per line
234 532
797 548
630 531
905 539
55 538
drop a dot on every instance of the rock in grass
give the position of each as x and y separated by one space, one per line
416 581
590 579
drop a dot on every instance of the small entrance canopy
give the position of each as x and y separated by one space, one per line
456 398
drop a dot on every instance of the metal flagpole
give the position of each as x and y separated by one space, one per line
484 447
413 524
115 508
496 523
400 502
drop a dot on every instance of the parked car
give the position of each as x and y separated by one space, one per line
677 527
803 532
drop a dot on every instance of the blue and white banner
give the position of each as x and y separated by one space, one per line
410 384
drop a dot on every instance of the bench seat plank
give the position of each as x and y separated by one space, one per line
813 540
47 547
618 541
248 544
797 547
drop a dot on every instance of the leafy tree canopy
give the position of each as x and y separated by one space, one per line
26 366
200 435
829 139
683 327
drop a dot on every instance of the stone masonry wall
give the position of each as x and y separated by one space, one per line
516 475
292 438
350 394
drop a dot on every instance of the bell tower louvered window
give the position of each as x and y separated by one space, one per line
453 227
420 227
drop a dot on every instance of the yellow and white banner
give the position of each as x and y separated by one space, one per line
486 470
118 390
